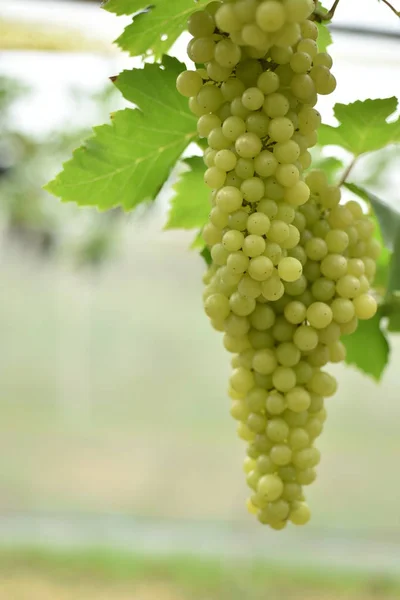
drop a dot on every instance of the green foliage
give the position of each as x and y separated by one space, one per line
190 206
324 37
368 348
128 162
363 126
156 26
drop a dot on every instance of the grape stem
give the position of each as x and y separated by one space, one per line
396 12
347 172
325 16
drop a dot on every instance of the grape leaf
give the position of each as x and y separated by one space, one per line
128 162
368 347
363 126
190 206
324 37
121 7
205 253
155 26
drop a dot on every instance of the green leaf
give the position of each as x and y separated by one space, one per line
324 37
128 162
156 26
205 253
121 7
363 126
389 223
368 348
190 206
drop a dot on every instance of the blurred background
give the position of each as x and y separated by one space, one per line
120 469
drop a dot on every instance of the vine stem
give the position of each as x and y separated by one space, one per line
396 12
347 172
328 16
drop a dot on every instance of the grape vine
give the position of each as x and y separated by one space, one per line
291 253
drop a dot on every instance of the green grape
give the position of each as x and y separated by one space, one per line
273 251
253 245
244 168
290 269
217 140
291 243
325 82
233 127
268 207
319 315
206 124
275 105
281 55
248 145
256 399
260 268
298 194
288 354
253 189
298 399
253 98
273 189
217 306
284 379
219 218
249 287
298 438
214 177
323 384
285 213
295 312
226 19
241 305
275 403
306 476
282 329
348 286
300 62
257 123
287 175
270 487
281 454
265 362
236 326
189 83
272 289
209 98
330 334
229 199
296 288
278 231
303 372
365 306
258 223
270 16
334 266
227 54
219 255
280 129
299 513
237 262
309 30
343 310
201 24
286 152
268 82
225 160
305 338
256 422
265 163
324 59
277 430
238 109
242 380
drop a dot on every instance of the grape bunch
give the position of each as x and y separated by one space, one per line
292 264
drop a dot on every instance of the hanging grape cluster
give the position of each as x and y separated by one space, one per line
292 265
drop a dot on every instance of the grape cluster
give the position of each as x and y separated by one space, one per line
292 265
